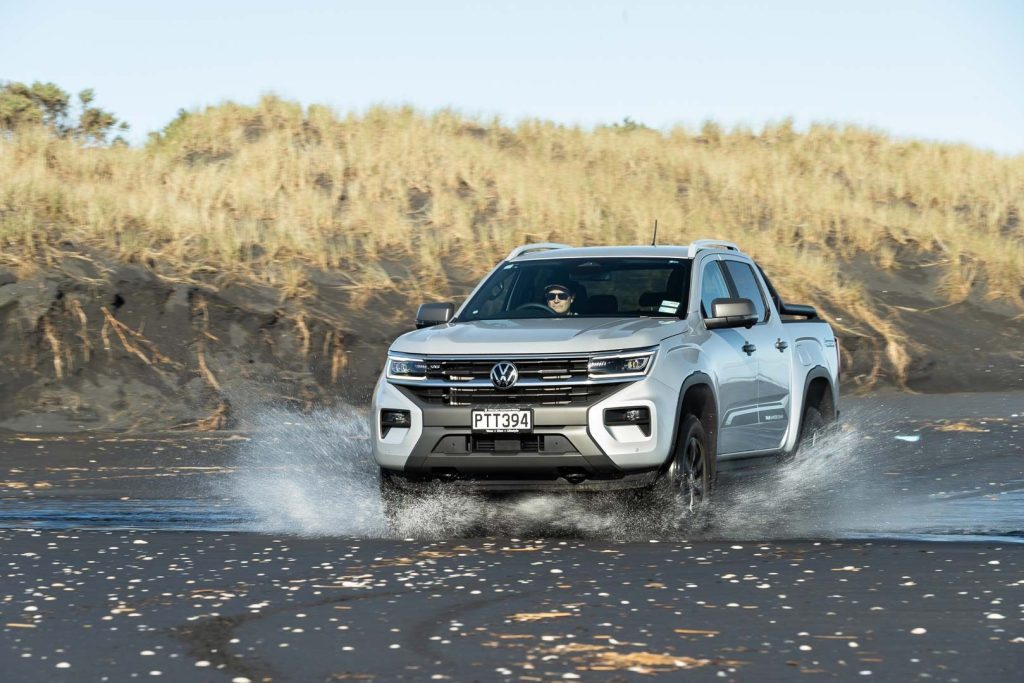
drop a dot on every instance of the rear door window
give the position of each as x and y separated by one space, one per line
747 287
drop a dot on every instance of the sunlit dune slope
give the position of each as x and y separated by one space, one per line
396 200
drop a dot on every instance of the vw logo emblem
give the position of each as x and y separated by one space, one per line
504 375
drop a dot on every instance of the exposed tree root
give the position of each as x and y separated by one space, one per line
300 322
123 333
216 420
83 332
204 368
339 359
51 338
203 310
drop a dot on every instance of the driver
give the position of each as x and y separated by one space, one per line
559 298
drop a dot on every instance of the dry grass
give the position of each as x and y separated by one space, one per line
269 192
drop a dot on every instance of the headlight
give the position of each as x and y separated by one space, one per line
625 364
400 367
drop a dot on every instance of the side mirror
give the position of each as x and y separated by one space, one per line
731 313
429 315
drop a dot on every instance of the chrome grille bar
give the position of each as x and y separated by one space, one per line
478 396
538 369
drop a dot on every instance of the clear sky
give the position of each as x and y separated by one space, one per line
950 71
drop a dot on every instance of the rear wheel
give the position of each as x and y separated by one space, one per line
812 430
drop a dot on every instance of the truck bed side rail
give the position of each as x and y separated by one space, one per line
801 310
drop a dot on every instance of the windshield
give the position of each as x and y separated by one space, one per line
593 288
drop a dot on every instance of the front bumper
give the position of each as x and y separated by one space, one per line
439 445
481 477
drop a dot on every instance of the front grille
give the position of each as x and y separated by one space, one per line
556 395
569 368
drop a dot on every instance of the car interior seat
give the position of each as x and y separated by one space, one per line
651 300
602 303
674 300
579 303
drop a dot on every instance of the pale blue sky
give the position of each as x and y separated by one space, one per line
941 70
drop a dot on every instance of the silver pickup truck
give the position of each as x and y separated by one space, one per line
604 368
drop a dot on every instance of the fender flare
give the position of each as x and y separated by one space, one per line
695 378
817 372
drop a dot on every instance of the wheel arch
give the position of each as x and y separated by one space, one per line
697 397
819 393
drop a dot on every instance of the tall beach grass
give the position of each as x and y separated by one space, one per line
275 191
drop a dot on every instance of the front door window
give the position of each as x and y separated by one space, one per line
747 287
713 286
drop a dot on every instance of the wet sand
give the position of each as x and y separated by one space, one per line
227 606
896 550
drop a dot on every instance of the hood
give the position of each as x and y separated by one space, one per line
538 336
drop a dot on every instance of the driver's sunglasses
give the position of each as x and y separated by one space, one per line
558 296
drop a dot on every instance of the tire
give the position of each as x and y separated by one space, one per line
812 428
692 473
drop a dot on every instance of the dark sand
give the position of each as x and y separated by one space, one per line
895 550
227 606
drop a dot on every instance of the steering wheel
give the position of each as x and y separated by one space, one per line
535 306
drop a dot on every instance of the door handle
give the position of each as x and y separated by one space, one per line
781 345
749 348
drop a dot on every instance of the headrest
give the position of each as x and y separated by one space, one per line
651 299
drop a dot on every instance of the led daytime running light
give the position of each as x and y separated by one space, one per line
624 364
407 368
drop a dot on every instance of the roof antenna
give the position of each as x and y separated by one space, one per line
654 240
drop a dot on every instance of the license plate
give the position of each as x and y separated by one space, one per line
502 420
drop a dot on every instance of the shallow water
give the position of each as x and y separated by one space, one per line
889 471
858 481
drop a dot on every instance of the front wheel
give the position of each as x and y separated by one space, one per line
691 474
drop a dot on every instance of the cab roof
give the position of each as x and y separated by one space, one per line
548 250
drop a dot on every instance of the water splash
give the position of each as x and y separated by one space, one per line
828 489
313 475
310 475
